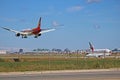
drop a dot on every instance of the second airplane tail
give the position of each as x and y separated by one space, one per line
91 47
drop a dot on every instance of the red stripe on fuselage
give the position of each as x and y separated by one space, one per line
33 31
36 30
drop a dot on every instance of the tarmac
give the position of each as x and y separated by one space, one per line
58 71
95 74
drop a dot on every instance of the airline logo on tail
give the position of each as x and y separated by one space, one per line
35 31
91 47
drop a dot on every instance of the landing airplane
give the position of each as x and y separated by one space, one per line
98 52
35 31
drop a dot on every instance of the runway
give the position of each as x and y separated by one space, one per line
95 75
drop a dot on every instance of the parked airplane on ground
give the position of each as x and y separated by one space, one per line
35 31
98 52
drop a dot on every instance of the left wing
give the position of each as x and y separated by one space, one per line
10 30
21 33
46 30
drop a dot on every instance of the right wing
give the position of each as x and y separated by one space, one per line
46 30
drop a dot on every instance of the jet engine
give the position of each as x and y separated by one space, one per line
39 34
18 34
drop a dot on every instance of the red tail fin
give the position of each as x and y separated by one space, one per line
91 47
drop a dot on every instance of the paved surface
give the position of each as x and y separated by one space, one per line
90 75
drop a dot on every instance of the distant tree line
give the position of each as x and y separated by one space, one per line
53 50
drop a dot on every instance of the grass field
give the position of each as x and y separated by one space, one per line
54 62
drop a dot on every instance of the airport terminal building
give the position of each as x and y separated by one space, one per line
3 51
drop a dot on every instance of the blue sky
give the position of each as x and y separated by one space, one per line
97 21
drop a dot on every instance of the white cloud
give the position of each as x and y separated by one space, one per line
55 24
97 26
93 1
74 8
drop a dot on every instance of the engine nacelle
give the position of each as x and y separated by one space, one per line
39 34
18 34
36 36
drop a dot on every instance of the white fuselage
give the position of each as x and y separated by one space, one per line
101 51
98 54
